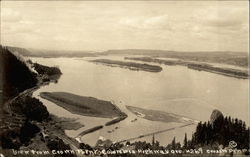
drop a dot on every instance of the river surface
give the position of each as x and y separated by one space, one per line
176 89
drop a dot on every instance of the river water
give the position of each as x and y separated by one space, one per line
176 89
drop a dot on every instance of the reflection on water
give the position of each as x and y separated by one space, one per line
176 89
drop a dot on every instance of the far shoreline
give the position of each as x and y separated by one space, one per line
206 66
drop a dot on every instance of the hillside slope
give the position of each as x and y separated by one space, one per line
15 75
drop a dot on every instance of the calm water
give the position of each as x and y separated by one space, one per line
176 89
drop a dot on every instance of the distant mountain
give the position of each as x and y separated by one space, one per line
170 52
223 57
50 53
232 58
18 50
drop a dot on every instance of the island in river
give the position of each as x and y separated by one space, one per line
130 65
82 105
201 66
155 115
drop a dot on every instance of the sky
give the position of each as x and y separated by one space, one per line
103 25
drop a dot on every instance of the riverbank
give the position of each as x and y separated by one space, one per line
86 106
237 73
129 65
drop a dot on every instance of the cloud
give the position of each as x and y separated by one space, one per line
142 24
9 15
232 18
153 22
21 27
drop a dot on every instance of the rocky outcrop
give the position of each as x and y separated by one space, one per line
216 114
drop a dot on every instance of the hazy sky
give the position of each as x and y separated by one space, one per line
102 25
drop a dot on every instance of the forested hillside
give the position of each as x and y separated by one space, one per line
16 76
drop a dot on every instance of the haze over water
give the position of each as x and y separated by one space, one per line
176 89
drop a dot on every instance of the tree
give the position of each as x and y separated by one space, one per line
173 143
185 141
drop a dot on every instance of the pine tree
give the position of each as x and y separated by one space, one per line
153 140
185 141
173 143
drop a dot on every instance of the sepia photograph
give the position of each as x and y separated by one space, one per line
124 78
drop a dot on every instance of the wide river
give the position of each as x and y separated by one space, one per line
176 89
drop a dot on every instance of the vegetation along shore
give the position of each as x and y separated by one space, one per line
129 65
237 73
